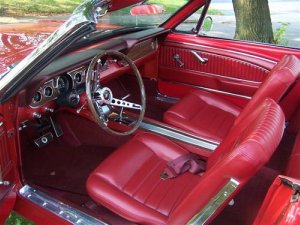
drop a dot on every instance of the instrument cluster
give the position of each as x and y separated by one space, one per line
59 86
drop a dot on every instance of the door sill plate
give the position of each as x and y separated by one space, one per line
72 215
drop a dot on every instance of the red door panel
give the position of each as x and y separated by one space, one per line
250 51
234 69
230 72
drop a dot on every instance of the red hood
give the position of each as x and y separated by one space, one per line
18 40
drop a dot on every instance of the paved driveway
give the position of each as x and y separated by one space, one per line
281 12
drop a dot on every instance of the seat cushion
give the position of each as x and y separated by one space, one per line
130 179
204 114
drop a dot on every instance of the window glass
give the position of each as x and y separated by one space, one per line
283 28
189 25
147 13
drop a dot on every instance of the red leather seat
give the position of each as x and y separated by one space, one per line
210 116
293 167
128 182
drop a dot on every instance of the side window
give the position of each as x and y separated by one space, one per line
189 25
266 21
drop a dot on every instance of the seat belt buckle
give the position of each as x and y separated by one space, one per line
164 175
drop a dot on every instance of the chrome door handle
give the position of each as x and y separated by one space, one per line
200 59
177 57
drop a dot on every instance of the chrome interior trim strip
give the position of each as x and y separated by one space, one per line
66 212
222 196
180 136
232 78
225 50
214 90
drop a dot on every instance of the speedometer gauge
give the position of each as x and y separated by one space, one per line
64 84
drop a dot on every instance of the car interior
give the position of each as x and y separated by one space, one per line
232 124
115 129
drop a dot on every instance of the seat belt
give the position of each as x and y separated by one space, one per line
188 162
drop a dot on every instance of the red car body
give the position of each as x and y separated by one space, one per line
19 40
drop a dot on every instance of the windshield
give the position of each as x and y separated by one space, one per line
149 13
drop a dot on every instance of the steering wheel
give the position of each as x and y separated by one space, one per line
101 100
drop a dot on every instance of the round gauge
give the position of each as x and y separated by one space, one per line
63 84
37 97
48 91
78 77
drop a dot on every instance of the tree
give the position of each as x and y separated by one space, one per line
253 20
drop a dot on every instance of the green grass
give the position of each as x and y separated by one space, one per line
37 7
16 219
55 7
214 12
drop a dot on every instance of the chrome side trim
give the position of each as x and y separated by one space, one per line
179 135
66 212
222 196
214 90
232 78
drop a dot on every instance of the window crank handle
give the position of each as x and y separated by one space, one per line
176 57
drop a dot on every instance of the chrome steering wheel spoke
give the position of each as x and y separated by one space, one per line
124 104
101 101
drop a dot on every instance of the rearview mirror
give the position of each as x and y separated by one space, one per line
148 9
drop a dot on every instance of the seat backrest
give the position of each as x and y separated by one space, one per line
275 85
247 147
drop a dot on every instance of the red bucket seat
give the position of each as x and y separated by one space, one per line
128 182
211 116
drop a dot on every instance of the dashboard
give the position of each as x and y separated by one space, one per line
61 84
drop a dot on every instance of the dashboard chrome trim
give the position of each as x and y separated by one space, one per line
44 98
82 70
60 209
53 84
